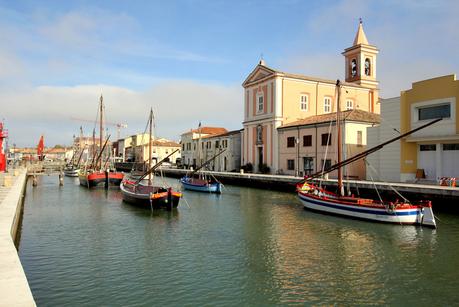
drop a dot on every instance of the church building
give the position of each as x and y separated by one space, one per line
274 99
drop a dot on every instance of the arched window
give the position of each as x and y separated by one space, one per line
353 68
367 67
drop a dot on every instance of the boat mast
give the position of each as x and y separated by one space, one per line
93 166
338 124
149 146
101 127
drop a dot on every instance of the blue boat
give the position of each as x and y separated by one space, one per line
200 185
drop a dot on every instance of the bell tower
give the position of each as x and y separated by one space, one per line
360 61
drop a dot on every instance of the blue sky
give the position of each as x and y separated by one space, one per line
187 59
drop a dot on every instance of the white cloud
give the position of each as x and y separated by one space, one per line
178 106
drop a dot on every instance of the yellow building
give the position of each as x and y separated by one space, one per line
435 149
430 153
273 98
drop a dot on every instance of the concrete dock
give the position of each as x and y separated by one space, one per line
14 288
287 183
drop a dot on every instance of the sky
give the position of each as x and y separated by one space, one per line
187 59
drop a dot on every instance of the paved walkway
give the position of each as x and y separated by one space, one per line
14 288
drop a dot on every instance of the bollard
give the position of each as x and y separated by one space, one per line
61 179
34 180
7 181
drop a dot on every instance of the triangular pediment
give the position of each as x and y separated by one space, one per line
260 72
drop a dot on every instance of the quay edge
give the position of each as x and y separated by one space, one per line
438 194
14 288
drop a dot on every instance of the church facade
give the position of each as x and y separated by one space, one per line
273 99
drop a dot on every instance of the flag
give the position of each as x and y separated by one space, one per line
40 148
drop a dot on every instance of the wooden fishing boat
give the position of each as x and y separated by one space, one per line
143 192
316 198
93 179
98 173
149 196
201 185
199 181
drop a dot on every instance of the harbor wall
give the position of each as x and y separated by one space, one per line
441 196
14 288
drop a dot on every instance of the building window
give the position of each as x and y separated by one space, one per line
260 102
308 165
432 112
194 146
450 146
428 147
291 141
353 68
304 99
327 164
349 104
217 143
327 105
291 164
367 67
359 138
183 146
307 140
326 139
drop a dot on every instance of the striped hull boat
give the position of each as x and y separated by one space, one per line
396 213
71 172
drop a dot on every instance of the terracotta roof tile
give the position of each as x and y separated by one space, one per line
208 130
353 115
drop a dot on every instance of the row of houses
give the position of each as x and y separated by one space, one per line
286 125
289 128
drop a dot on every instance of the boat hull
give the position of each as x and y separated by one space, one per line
96 179
71 172
408 216
349 207
150 197
201 186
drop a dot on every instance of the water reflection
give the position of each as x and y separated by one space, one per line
245 247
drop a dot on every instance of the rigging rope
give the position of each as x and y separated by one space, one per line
388 183
371 177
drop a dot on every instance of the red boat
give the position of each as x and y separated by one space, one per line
98 172
98 178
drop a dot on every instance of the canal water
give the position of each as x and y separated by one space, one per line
246 247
